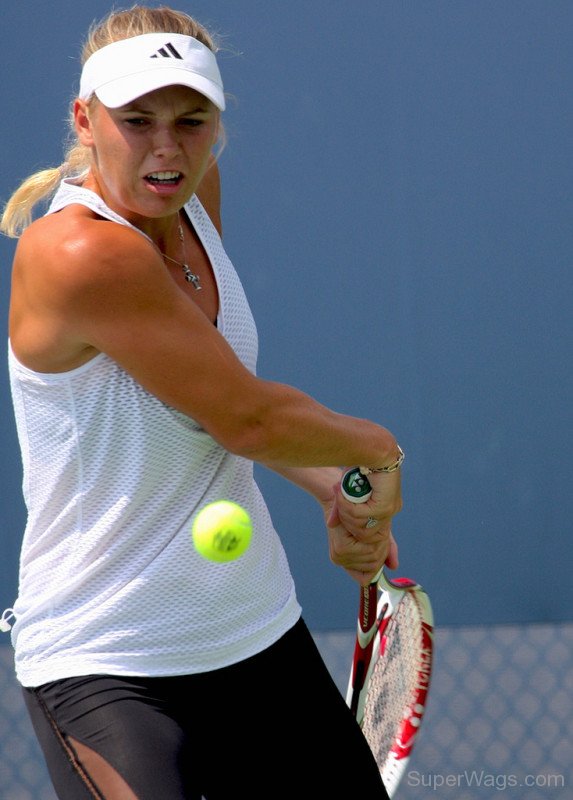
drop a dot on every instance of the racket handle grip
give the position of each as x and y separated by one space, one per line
355 486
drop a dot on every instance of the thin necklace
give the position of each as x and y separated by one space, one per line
190 277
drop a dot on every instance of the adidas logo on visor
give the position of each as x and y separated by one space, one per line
122 70
168 51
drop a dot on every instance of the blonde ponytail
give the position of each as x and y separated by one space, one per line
18 211
40 186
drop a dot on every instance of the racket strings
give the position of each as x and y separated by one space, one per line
395 676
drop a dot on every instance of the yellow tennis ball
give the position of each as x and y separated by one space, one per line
222 531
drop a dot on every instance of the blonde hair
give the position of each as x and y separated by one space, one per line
116 26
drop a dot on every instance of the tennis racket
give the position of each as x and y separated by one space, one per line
392 664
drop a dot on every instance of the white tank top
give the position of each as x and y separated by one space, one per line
109 579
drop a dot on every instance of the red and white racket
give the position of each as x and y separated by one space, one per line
392 665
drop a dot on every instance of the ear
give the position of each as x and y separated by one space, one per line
82 122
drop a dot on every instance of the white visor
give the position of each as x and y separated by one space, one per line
122 71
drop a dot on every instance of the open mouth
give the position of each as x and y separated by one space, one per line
164 178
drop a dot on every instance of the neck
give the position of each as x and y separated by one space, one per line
161 230
165 233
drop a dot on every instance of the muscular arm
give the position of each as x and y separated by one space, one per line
103 286
159 336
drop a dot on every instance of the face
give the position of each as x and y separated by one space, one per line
148 156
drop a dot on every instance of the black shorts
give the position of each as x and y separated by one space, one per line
272 726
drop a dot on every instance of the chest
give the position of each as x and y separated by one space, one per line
194 275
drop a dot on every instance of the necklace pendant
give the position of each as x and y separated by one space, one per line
190 277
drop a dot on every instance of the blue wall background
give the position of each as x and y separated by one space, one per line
398 202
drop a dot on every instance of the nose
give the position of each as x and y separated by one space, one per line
165 141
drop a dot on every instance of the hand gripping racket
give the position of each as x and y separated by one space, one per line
391 669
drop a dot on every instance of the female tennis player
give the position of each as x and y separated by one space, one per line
148 671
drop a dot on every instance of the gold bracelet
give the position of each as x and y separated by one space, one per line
392 468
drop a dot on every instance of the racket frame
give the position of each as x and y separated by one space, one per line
378 603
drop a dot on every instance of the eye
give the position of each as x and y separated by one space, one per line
191 122
136 122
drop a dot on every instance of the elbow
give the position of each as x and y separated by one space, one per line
256 431
250 440
258 424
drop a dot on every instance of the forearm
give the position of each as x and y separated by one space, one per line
150 328
317 481
286 428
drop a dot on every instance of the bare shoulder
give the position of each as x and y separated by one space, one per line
72 259
209 193
72 235
75 275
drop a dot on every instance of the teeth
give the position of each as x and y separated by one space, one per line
164 176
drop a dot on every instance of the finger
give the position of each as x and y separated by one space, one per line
392 561
373 535
363 524
333 518
365 559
